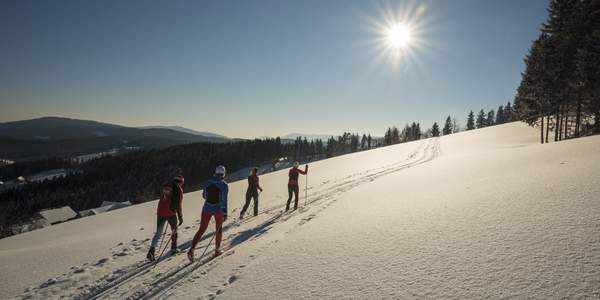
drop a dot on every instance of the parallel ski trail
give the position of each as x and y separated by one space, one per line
140 283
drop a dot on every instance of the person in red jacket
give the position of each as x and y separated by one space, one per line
169 210
293 175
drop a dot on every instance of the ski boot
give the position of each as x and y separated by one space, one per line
174 249
190 255
150 256
218 252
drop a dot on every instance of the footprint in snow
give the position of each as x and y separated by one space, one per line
48 283
231 279
122 253
102 261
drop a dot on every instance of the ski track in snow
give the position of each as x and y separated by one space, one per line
144 280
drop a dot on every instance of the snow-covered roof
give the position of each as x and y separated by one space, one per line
121 204
106 206
58 215
48 175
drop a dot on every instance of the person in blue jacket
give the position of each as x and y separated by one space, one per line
215 205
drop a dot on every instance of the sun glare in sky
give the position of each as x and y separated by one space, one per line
399 36
399 33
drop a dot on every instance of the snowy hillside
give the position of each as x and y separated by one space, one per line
479 214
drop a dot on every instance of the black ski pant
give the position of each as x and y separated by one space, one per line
160 224
249 196
292 189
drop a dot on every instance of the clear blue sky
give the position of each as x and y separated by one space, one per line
255 68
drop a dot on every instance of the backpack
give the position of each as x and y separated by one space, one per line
212 194
176 198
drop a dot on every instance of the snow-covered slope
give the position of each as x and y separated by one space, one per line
485 213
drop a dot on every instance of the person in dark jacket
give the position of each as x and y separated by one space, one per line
293 188
169 210
215 206
252 192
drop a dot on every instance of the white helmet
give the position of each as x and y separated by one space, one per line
220 170
296 164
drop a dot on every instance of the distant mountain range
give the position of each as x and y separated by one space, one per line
186 130
64 137
56 136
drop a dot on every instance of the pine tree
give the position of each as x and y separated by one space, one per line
363 141
305 148
587 60
560 81
447 126
481 119
500 115
354 141
412 132
471 121
435 129
491 116
417 134
404 135
387 137
395 135
320 149
508 113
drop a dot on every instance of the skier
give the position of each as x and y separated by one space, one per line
169 210
252 192
293 184
215 206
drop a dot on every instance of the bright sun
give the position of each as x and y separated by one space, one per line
399 33
398 36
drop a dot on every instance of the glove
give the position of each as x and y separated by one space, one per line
224 217
180 220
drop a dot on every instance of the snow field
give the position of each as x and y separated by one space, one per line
479 214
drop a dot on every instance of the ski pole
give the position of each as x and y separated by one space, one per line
206 248
306 190
258 199
162 238
165 247
163 250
